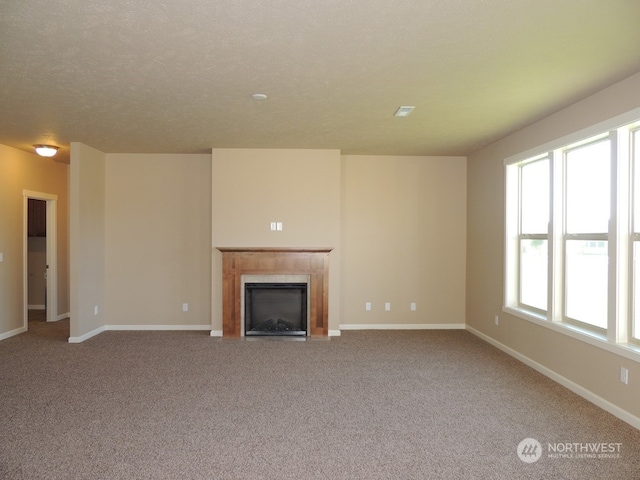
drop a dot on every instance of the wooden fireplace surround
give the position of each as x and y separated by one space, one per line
275 261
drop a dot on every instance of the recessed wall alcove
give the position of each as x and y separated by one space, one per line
237 262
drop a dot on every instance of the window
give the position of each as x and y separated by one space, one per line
587 208
533 240
634 326
572 256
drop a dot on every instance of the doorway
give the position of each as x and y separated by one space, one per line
39 245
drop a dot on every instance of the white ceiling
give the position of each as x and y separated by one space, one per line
176 76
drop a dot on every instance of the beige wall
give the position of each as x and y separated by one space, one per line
87 240
253 187
403 239
591 368
26 171
158 240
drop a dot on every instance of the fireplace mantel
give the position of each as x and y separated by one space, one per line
275 261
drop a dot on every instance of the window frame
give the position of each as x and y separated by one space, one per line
583 236
617 337
530 236
633 321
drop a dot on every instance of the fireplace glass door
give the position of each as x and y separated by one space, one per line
275 309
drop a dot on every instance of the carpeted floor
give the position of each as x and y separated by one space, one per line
366 405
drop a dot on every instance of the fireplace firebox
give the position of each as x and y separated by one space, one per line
275 309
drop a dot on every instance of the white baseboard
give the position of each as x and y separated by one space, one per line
12 333
62 316
403 326
334 333
216 333
105 328
565 382
157 327
36 307
87 336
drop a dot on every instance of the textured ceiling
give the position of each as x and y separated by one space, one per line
162 76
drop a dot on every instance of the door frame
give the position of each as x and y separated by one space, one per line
52 254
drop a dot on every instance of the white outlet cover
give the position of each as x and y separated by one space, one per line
624 375
387 306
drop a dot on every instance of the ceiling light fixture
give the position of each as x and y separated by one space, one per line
403 111
46 150
259 96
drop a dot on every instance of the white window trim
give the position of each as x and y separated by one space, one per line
615 340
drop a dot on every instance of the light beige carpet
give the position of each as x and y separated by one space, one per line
366 405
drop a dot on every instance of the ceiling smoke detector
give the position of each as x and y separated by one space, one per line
403 111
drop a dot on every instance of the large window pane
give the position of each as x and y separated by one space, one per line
533 273
535 197
635 328
588 197
636 181
586 281
635 273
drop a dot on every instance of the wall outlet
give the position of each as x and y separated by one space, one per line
273 226
624 375
185 307
367 306
413 306
279 226
497 320
387 306
95 310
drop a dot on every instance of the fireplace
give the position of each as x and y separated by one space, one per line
275 265
275 309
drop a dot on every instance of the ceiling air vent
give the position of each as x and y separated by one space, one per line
403 111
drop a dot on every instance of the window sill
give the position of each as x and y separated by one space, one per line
626 350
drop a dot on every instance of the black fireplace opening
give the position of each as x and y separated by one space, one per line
275 309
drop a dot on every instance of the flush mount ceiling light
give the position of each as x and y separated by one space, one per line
259 96
403 111
46 150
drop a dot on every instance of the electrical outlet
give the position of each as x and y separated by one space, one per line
367 306
387 306
95 310
185 307
497 320
624 375
413 306
273 226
